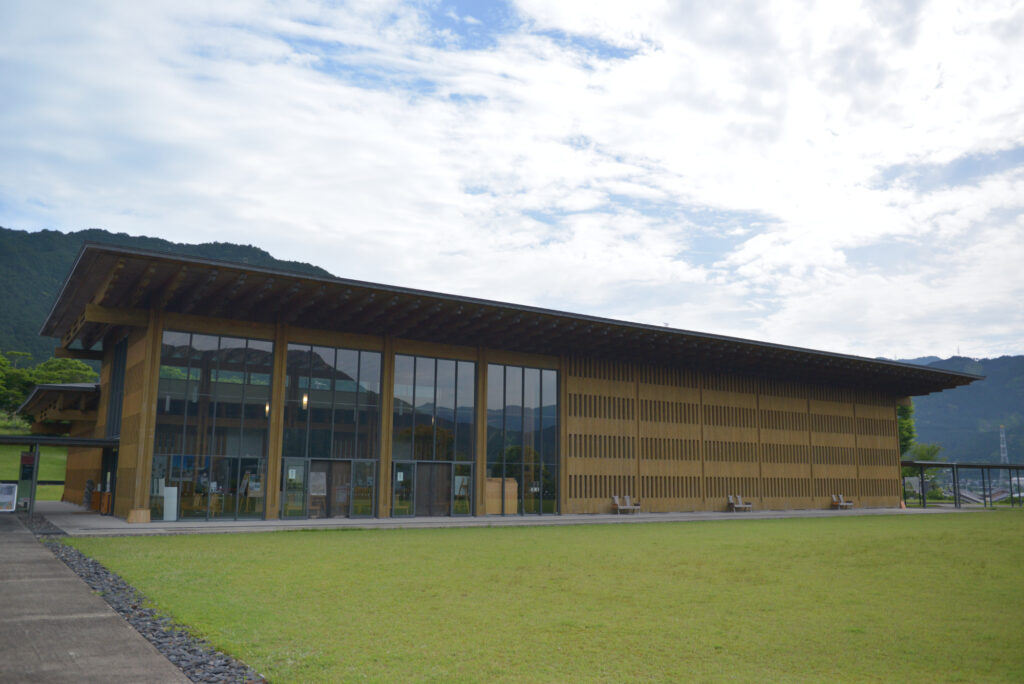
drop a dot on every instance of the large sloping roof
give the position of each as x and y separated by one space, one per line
119 277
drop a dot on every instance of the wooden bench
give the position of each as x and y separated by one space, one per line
839 502
625 505
736 504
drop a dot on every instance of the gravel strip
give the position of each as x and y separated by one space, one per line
196 658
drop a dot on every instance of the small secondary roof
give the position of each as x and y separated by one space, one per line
125 278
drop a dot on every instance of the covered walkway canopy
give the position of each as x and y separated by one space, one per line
1013 470
34 442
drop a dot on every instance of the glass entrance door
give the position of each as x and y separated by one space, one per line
330 486
433 489
293 484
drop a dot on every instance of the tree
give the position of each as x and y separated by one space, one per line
18 358
921 452
56 371
16 383
905 425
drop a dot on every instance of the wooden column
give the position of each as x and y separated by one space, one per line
143 453
563 434
387 403
275 441
480 484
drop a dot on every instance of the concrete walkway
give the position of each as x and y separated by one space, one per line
53 628
76 521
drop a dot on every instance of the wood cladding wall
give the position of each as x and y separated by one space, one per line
683 440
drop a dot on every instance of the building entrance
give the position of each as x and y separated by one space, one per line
319 488
426 488
433 489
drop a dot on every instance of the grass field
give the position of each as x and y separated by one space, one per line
52 462
893 598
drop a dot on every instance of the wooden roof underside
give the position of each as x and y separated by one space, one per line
120 278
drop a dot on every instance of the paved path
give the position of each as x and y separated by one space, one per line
78 522
53 628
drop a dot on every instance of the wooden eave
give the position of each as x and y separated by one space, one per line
114 286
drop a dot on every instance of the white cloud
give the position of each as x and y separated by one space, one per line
715 168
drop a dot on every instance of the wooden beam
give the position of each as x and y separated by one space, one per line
171 287
108 283
66 414
132 318
84 354
142 286
73 330
224 298
197 293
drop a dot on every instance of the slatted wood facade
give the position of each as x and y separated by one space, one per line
684 439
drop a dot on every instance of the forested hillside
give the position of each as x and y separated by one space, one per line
33 267
966 420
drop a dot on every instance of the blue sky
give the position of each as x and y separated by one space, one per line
840 176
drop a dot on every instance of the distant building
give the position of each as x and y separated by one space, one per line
237 391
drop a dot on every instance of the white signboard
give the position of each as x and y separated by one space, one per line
317 484
8 497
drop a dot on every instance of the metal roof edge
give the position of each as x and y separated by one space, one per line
220 263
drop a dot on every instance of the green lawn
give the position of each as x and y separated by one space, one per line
52 463
893 598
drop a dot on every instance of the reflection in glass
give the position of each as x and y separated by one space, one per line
363 479
522 440
293 503
369 405
403 408
423 432
465 419
436 433
462 488
401 503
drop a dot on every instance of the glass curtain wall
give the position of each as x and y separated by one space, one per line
433 444
331 432
522 440
212 426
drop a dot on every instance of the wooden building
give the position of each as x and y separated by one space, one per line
241 392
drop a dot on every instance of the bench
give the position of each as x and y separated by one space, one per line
839 502
736 504
625 505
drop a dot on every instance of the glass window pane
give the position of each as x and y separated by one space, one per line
227 390
513 414
321 399
346 374
256 413
296 403
444 432
172 393
549 417
531 415
423 435
495 413
195 486
462 489
465 413
250 487
368 442
363 479
223 487
403 408
401 502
